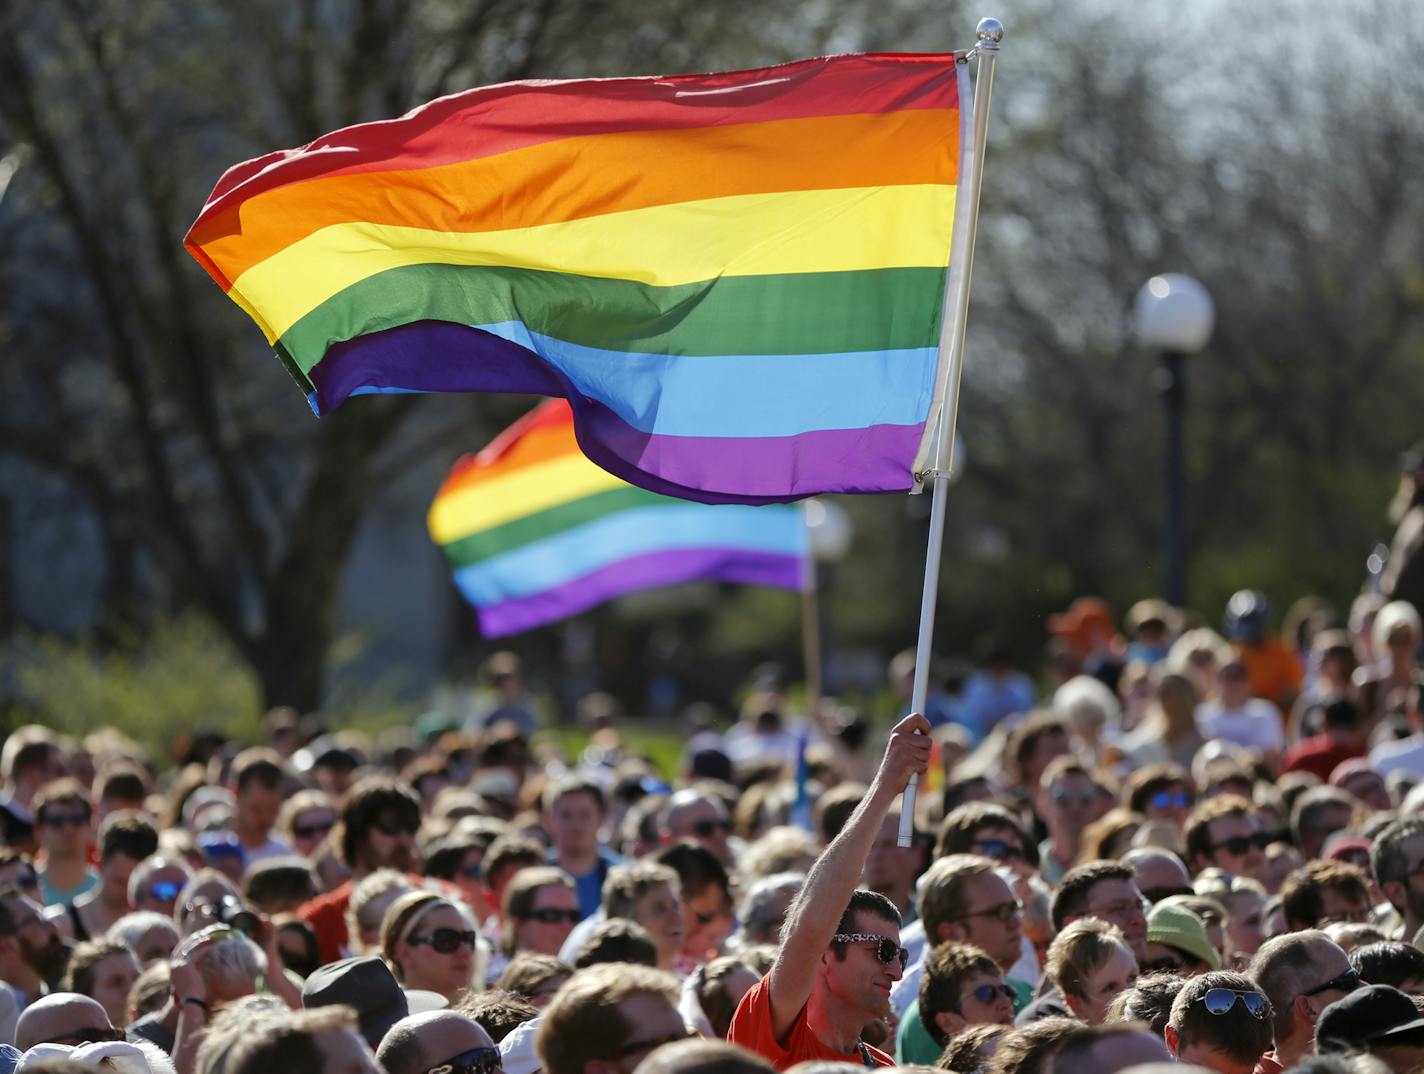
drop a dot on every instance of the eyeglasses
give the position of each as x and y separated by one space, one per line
649 1045
60 820
88 1035
1082 799
311 831
1242 844
1221 1000
475 1061
1003 913
706 829
1346 982
886 949
1170 800
473 872
555 917
999 850
164 890
989 993
446 941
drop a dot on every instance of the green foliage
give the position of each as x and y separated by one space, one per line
159 687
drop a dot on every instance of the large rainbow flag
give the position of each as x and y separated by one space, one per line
535 532
735 279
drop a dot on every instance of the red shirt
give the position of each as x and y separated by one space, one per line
326 914
751 1028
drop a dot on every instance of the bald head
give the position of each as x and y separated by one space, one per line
1158 871
61 1018
421 1041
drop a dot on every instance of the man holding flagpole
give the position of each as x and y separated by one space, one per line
840 952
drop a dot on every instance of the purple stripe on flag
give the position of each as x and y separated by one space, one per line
640 572
437 356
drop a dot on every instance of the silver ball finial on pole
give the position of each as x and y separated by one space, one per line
990 32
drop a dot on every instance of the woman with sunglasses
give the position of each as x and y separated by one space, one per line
306 820
429 943
1090 963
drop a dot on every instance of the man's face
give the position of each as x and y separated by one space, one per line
860 980
992 919
258 806
1323 825
1332 967
1001 845
890 867
705 822
1070 803
983 1001
1368 786
390 843
560 906
659 910
1160 876
64 830
1118 902
40 944
345 1052
114 874
1234 845
160 893
652 1022
1337 904
1243 928
573 823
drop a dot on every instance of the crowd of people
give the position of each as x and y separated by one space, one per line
1198 846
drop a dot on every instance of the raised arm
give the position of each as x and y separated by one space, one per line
814 915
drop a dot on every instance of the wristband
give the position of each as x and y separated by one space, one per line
195 1001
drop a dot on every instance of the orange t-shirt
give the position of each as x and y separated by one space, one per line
751 1028
1273 670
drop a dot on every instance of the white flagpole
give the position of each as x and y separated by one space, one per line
951 341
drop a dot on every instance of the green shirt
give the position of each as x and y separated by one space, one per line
913 1043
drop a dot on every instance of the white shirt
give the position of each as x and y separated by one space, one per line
1406 754
1256 725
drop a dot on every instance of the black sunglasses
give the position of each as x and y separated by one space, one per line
446 941
886 949
1241 844
1003 913
475 1061
308 831
551 916
989 993
1346 982
1221 1000
1156 895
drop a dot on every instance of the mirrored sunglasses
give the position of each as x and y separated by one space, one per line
555 917
1221 1000
989 993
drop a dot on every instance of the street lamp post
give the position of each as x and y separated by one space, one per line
1173 314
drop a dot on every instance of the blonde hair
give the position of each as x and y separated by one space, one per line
1079 951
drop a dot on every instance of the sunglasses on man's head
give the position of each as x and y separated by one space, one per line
1242 844
551 916
1221 1000
886 949
989 993
475 1061
446 941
